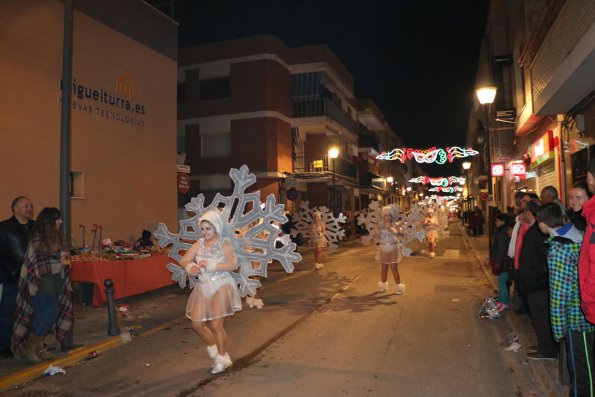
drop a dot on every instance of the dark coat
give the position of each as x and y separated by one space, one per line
533 270
14 238
577 219
499 252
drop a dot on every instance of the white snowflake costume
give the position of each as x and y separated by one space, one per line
258 244
305 216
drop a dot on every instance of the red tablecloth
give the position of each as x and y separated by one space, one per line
130 277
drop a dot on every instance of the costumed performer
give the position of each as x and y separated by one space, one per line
431 225
390 251
317 238
215 295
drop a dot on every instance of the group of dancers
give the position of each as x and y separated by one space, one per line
211 260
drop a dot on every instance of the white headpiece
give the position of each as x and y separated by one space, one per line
390 210
214 218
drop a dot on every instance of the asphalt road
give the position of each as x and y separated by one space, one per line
329 333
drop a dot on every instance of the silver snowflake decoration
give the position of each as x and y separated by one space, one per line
259 243
371 219
305 216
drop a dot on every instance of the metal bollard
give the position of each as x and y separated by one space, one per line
112 327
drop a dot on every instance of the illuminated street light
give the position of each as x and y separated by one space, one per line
466 165
390 179
333 153
486 95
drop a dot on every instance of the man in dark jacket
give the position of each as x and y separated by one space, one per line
534 281
14 237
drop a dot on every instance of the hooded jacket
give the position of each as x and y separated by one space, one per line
533 271
586 263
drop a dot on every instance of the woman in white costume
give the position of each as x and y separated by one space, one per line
215 295
431 226
389 250
317 239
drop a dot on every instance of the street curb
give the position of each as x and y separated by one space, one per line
71 358
539 369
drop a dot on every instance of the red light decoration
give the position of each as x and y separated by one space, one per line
497 169
431 155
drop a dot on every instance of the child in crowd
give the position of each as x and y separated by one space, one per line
567 320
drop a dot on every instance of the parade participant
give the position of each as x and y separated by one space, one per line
44 299
317 239
215 296
389 250
430 225
14 236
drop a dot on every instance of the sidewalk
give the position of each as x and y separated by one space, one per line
147 314
547 370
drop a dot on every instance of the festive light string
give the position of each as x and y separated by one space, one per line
446 189
440 181
431 155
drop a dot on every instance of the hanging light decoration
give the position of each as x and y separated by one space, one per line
431 155
439 181
446 189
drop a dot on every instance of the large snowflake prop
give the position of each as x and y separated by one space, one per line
305 216
259 243
409 226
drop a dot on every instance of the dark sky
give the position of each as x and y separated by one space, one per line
416 59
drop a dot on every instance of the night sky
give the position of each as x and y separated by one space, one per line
416 59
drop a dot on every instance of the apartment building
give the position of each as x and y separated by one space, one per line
279 110
541 56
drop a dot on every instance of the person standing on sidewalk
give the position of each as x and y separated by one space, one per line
579 195
534 281
586 263
44 300
500 258
215 296
317 239
389 250
568 321
14 237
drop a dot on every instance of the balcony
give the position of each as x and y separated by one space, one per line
314 164
317 107
368 141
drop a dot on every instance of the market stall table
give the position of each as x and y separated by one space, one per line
130 276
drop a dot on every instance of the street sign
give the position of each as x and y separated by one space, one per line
483 196
183 182
291 194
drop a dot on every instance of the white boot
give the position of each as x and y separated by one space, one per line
318 266
221 364
400 289
382 286
432 254
250 301
213 351
258 303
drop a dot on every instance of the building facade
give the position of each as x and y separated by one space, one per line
123 142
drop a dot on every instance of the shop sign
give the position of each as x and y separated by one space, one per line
183 182
542 149
183 168
518 169
317 164
497 169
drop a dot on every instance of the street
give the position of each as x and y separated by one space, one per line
329 333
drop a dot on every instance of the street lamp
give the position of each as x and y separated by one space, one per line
333 153
466 167
486 96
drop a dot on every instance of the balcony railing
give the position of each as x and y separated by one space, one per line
323 107
321 163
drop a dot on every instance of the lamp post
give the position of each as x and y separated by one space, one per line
390 180
333 153
466 167
486 96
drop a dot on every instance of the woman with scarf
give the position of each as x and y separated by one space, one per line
44 300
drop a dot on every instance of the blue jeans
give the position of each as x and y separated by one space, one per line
503 287
7 305
45 313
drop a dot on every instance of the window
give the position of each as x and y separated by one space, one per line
215 145
214 88
77 184
181 92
